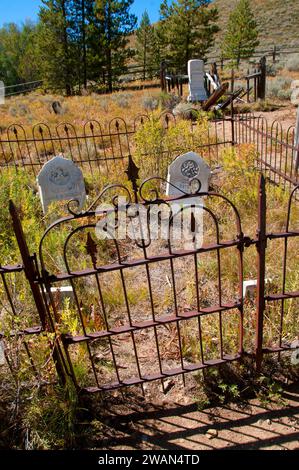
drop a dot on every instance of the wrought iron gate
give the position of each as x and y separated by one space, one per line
101 349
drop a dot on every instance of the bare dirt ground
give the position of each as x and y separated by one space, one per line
249 425
286 116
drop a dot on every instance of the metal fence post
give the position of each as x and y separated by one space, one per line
255 86
261 264
247 87
32 277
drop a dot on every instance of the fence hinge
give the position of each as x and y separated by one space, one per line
244 242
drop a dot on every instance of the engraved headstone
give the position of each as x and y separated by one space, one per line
181 173
185 168
196 74
295 354
60 179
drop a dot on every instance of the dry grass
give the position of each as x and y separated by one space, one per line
239 182
35 108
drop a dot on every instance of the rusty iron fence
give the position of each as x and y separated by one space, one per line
99 337
101 151
130 364
277 154
27 335
281 295
97 329
110 347
22 326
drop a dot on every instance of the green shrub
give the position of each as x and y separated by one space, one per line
169 100
293 64
20 187
276 87
150 103
122 100
284 94
241 178
156 146
185 111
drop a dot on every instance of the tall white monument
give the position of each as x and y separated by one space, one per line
196 74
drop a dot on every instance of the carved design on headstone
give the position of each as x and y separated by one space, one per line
60 179
189 168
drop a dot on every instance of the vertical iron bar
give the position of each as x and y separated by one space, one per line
31 275
261 262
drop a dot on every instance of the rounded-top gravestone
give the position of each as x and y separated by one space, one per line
185 168
60 179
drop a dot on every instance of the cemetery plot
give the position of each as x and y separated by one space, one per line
179 303
139 312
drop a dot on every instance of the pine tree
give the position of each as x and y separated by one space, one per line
56 53
145 44
116 24
186 30
241 38
92 44
81 13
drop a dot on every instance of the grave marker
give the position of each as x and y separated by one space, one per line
196 73
60 179
181 172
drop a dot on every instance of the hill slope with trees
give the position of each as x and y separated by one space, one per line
277 22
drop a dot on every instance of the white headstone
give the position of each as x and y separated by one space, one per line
183 170
196 73
60 179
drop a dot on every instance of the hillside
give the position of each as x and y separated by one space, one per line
277 21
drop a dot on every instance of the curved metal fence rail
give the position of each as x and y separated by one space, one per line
100 150
20 325
277 154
